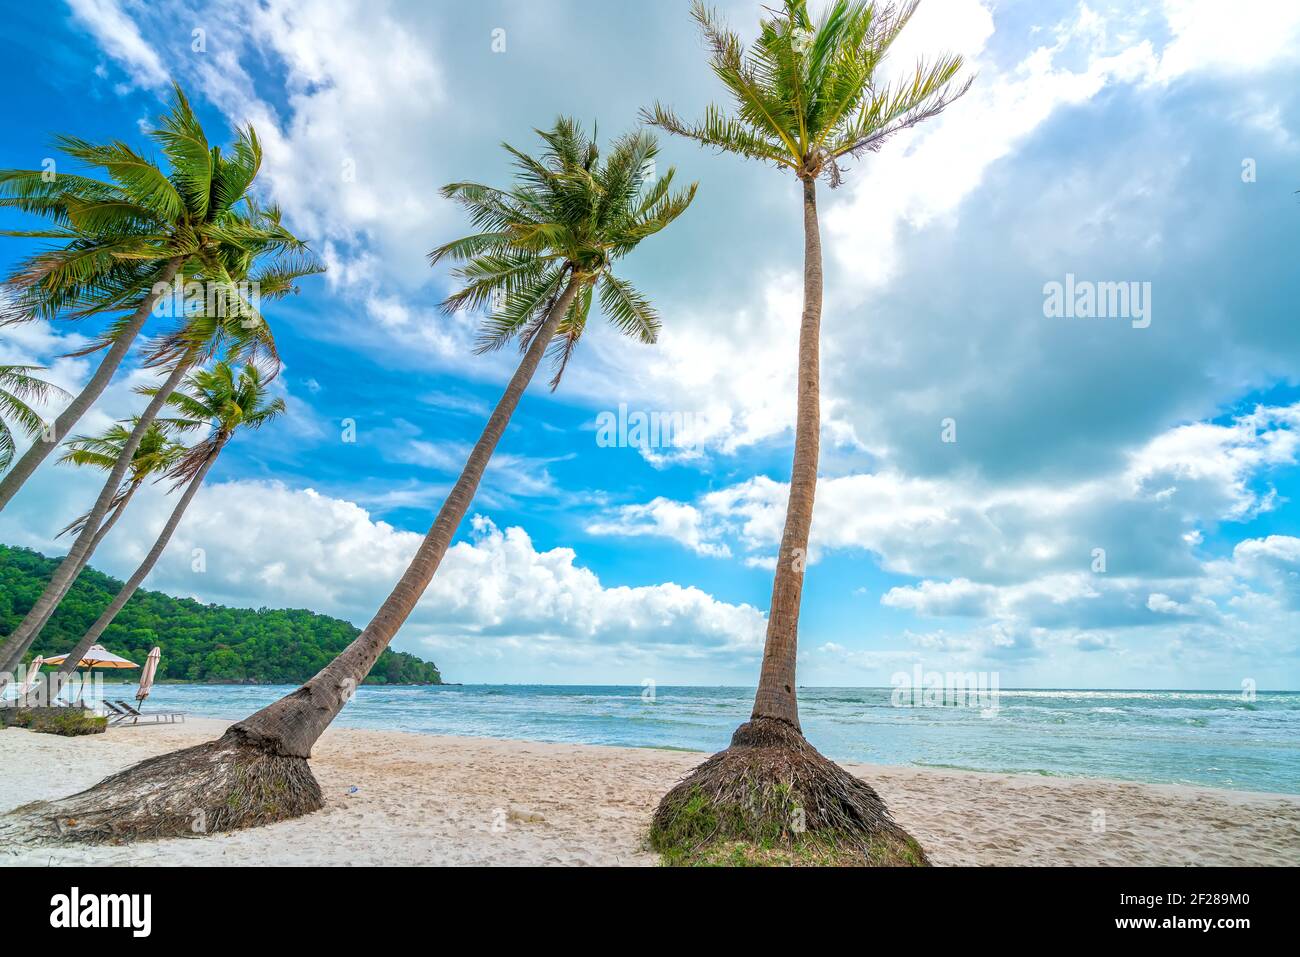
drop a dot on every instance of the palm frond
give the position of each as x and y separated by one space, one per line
186 147
140 179
570 331
628 310
805 93
572 212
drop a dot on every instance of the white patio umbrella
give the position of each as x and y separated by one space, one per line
97 656
147 675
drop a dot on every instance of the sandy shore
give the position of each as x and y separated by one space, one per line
421 799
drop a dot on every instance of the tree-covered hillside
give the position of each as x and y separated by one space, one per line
199 642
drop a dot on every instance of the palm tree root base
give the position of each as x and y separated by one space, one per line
772 799
223 785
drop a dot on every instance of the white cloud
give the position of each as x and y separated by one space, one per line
1026 555
1144 514
498 609
664 519
925 173
118 34
1251 36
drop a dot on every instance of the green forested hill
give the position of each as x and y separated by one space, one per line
199 642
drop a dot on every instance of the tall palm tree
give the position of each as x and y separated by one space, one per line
120 242
256 253
806 96
542 249
18 387
215 398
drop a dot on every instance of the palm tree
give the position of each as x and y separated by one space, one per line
228 321
224 403
121 242
18 387
155 454
542 249
806 97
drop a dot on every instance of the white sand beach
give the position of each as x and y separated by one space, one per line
422 799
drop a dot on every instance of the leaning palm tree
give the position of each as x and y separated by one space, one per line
228 321
18 387
120 243
215 398
155 454
807 97
541 249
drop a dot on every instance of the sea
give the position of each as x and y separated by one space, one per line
1221 739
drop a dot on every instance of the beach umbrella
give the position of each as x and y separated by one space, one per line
147 675
96 657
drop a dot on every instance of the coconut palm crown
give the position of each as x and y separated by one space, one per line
222 401
806 92
155 454
112 236
570 217
218 400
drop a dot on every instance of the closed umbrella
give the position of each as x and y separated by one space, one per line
33 676
147 675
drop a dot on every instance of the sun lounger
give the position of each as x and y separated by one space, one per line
115 714
131 715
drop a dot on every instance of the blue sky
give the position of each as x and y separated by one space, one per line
1158 146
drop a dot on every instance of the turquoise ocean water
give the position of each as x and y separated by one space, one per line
1191 737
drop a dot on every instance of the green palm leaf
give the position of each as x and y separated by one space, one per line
18 389
570 215
805 93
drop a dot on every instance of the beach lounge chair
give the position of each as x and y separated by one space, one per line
115 714
130 714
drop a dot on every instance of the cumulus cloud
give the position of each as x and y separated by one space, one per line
1259 34
1051 566
498 609
661 518
118 34
1145 515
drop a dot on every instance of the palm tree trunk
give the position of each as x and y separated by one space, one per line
20 640
776 697
138 576
290 726
99 536
23 469
104 529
